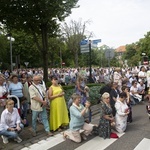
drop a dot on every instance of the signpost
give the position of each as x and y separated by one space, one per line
85 47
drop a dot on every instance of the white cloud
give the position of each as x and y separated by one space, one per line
116 22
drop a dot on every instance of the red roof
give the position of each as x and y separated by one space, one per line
121 49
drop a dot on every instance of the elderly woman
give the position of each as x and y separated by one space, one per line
122 112
16 88
10 123
106 117
134 93
78 127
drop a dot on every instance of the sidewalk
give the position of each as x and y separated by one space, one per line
28 139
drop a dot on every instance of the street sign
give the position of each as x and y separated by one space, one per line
84 46
26 63
109 53
95 42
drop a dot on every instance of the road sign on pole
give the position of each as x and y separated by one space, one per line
84 46
109 53
26 63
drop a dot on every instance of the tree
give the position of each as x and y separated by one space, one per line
37 17
74 33
134 51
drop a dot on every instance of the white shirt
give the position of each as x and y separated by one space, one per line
9 120
140 88
134 89
142 75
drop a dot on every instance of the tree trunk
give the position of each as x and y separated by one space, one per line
44 51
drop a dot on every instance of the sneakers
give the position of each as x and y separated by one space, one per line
18 139
5 139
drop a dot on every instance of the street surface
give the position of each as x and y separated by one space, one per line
136 137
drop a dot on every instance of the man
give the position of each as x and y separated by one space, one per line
38 105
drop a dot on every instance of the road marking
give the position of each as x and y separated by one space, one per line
143 145
98 143
46 144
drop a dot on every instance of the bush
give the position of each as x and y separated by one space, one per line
94 93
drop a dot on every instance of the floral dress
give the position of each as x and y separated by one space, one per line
104 128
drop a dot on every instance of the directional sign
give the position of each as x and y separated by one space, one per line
84 46
84 42
109 54
96 41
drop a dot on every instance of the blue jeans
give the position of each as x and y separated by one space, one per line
44 119
11 134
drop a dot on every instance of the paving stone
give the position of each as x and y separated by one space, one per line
35 141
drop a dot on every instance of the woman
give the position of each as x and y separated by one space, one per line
128 101
79 88
58 109
118 77
78 127
106 117
10 124
135 97
122 112
16 88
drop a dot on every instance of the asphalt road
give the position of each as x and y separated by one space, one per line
136 131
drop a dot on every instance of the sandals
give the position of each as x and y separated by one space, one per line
59 130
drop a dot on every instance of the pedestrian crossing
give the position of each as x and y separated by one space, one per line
46 144
143 145
97 143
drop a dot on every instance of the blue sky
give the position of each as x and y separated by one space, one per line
116 22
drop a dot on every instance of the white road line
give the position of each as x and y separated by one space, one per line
46 144
98 143
143 145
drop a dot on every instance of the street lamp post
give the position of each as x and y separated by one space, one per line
11 39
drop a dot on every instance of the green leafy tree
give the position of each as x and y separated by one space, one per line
40 18
74 32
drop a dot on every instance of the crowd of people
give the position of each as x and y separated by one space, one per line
123 88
